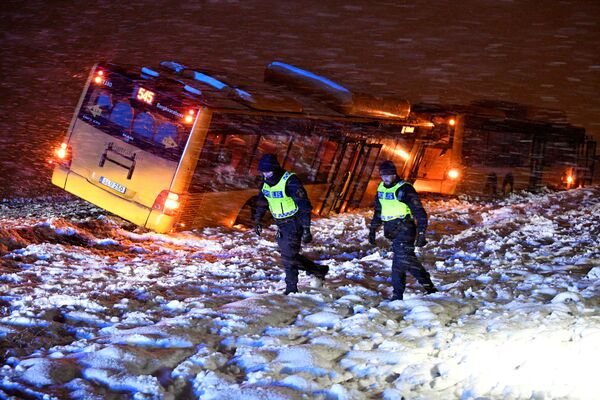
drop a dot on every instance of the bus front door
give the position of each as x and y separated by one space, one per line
354 168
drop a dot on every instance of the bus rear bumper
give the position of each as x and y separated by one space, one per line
159 222
59 176
126 209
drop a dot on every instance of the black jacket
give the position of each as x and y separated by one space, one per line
406 194
294 189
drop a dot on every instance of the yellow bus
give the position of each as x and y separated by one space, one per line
173 147
496 147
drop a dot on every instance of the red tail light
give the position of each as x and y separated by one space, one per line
62 155
167 202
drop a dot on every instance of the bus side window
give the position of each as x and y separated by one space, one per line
143 125
122 115
301 156
237 150
210 151
275 144
163 132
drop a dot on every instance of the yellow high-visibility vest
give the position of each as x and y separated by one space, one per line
280 204
391 206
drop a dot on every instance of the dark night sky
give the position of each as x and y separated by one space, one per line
543 53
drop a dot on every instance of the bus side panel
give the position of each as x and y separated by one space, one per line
316 195
130 175
368 198
214 208
223 208
433 172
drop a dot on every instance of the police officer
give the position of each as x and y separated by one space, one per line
398 206
283 194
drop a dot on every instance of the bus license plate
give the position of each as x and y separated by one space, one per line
113 185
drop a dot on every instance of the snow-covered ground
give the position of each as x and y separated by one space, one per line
91 308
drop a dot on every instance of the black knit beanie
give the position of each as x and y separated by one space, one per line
268 162
387 168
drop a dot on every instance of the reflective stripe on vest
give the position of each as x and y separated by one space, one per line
391 206
280 204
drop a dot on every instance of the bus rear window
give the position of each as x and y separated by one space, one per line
115 108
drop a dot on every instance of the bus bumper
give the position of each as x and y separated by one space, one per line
126 209
81 187
59 176
159 222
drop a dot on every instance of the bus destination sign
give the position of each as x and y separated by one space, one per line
145 95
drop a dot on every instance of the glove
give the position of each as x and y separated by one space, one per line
306 236
258 229
420 240
372 233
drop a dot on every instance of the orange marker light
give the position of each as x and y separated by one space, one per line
62 155
189 118
570 179
453 173
451 122
61 152
98 79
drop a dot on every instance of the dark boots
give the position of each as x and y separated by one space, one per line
321 272
290 289
430 289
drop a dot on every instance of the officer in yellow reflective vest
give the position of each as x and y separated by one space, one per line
398 206
284 195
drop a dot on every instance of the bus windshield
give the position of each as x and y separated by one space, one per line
135 112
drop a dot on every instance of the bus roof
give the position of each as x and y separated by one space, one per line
286 90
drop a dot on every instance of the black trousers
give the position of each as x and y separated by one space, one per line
289 240
402 234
